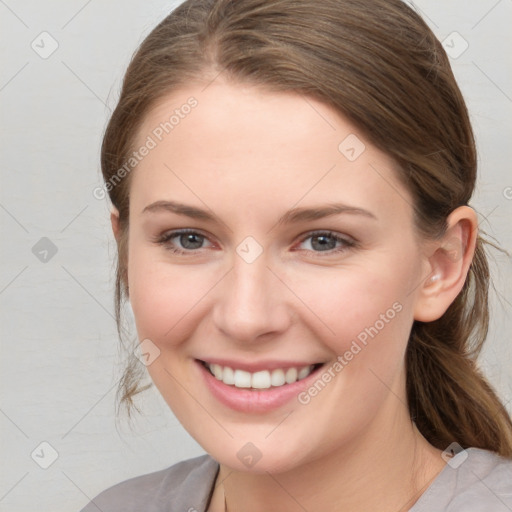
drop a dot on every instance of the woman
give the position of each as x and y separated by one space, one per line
290 184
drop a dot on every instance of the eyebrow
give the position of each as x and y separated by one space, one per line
291 216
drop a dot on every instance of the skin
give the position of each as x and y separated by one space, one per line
249 155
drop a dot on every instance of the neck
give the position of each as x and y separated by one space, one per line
384 469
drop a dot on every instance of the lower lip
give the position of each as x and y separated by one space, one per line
249 401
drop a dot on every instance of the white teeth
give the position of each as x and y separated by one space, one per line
277 378
242 379
217 370
228 377
303 372
259 380
291 375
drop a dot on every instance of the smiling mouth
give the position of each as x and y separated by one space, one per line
260 380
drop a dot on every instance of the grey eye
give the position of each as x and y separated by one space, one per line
191 240
323 242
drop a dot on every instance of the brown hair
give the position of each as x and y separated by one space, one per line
378 64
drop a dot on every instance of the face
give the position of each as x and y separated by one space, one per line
267 234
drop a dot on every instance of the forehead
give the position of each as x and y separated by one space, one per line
234 114
229 141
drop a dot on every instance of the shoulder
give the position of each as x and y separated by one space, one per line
474 480
185 486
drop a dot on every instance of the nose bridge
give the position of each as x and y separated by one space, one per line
250 302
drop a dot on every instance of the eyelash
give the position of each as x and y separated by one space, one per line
164 240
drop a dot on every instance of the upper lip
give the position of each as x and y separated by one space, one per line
256 366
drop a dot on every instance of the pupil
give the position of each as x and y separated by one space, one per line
191 241
326 242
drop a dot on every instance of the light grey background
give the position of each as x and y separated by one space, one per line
60 359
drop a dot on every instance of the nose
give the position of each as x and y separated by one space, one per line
251 302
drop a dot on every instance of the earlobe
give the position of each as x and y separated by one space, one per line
448 265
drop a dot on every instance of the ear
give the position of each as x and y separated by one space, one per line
447 265
116 228
114 220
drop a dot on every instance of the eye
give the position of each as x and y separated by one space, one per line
189 241
326 241
183 241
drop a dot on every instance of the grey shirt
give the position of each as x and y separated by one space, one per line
473 481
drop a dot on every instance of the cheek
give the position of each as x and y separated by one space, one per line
166 298
355 305
368 317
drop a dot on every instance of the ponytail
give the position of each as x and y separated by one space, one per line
449 398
